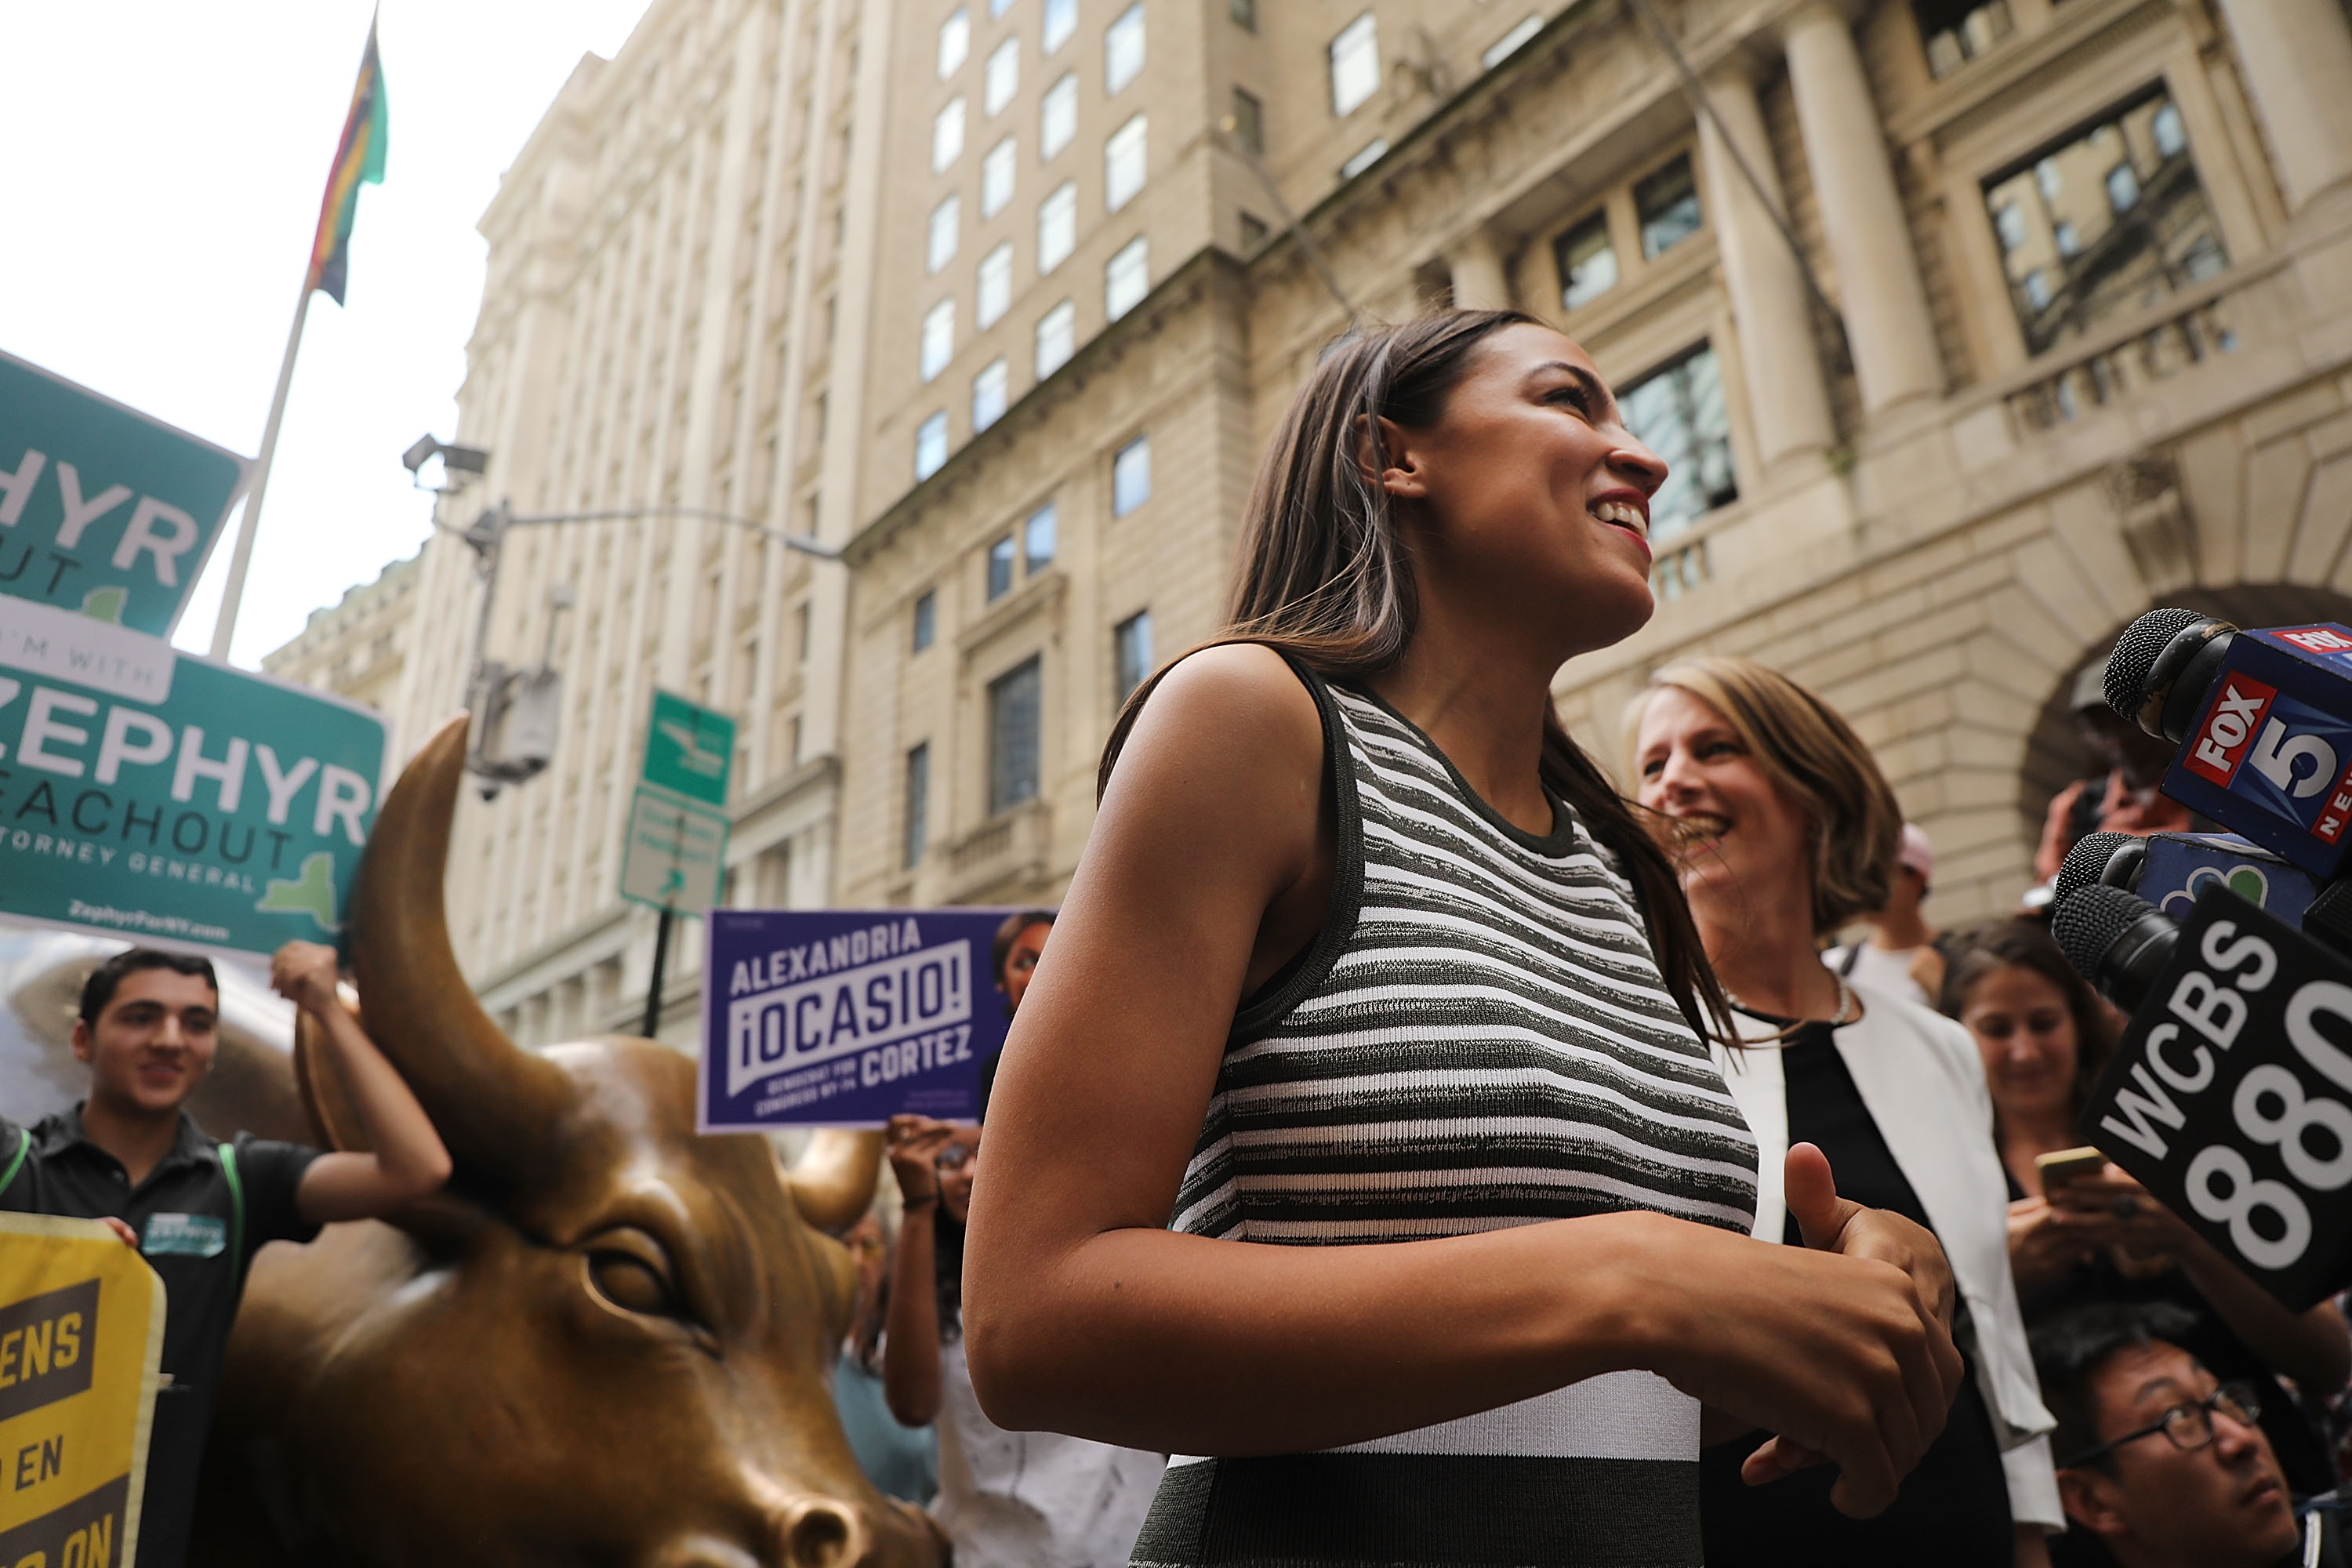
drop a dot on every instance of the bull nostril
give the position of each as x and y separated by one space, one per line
822 1533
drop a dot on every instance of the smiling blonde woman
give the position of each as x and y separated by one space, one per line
1783 829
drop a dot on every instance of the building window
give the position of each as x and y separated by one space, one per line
1507 45
938 338
1056 339
1957 31
947 135
1123 49
1365 156
1679 413
1003 79
1127 278
996 178
2103 224
946 223
1123 164
989 396
1015 712
1355 64
1249 122
1244 13
1057 117
927 619
930 445
955 42
1668 204
998 8
918 804
1037 532
1130 643
1588 262
1061 21
1130 476
995 286
1057 226
1000 569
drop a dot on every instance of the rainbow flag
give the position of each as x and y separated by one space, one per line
359 160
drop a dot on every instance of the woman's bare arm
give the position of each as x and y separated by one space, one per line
1084 1314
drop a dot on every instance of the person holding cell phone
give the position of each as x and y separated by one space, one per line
2081 1231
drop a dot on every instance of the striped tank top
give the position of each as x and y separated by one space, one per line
1479 1038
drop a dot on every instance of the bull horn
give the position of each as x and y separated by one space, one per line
833 1182
492 1102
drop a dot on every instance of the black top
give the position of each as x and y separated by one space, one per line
186 1221
2301 1452
1953 1509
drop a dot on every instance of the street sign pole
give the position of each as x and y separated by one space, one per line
675 853
670 885
652 1030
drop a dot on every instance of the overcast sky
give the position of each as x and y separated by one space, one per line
165 185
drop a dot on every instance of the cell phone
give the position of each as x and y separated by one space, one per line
2066 1165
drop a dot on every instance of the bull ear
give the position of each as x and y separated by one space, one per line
833 1182
326 1098
495 1105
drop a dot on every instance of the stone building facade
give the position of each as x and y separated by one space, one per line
358 647
681 263
1972 328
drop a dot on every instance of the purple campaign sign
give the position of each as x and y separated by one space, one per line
846 1017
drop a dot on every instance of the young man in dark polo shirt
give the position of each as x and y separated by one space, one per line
130 1156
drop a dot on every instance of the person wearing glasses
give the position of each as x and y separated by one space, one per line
1006 1499
2158 1465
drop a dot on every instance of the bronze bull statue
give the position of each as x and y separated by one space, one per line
608 1341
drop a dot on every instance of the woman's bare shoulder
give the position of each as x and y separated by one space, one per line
1237 701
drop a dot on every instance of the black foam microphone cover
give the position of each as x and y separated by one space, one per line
2118 940
2086 863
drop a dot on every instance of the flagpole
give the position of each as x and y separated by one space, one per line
232 592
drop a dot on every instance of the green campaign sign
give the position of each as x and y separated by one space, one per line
104 511
152 794
689 749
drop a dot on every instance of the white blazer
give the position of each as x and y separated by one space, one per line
1922 1081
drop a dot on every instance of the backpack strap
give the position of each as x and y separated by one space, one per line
235 1209
16 1161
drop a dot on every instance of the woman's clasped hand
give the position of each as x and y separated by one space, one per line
1841 1348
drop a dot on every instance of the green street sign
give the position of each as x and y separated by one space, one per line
152 794
676 853
103 510
689 750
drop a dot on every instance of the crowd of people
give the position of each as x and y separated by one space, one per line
1417 1151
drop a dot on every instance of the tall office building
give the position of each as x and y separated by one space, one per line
1970 330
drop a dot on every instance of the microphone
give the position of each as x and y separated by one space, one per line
2116 940
2169 869
2227 1097
2263 720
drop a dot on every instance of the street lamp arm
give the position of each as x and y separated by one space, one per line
800 543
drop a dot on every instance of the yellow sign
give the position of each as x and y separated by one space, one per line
81 1337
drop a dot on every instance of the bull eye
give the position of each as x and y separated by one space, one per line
627 1269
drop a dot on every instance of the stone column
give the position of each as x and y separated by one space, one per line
1479 282
1885 304
2298 55
1788 401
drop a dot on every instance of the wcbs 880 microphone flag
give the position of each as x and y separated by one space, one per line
2230 1098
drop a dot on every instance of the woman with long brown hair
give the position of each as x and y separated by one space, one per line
1358 1133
